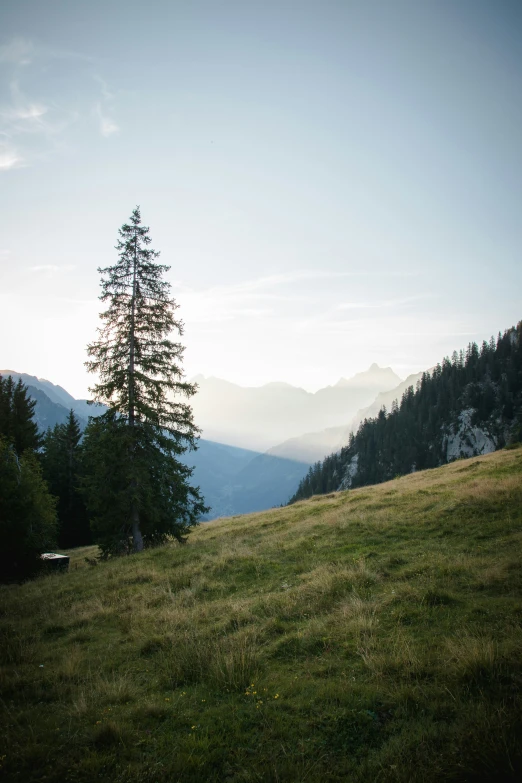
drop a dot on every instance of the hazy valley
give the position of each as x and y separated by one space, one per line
233 472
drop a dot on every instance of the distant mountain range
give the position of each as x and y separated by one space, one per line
254 453
263 417
239 481
314 446
464 407
232 480
53 402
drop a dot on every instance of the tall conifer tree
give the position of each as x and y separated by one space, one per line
17 422
140 380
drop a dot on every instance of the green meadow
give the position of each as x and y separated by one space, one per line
369 635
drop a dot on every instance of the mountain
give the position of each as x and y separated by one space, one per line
467 406
57 395
47 412
313 446
261 418
384 399
232 480
375 378
236 481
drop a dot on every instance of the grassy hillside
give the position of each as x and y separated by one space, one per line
373 635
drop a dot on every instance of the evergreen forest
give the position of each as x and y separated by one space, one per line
479 390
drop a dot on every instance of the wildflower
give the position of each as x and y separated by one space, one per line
167 699
192 727
276 696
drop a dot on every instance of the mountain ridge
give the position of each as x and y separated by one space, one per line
263 417
467 406
314 446
233 480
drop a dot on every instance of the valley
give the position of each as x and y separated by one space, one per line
236 478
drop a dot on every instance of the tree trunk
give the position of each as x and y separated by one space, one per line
137 538
135 513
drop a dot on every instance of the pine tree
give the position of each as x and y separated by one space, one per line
63 469
140 376
6 398
17 415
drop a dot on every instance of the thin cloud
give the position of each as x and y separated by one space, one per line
52 268
19 51
107 126
287 297
31 112
104 109
42 116
105 91
28 117
382 305
249 298
10 159
259 284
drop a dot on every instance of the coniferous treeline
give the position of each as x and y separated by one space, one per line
486 381
41 499
17 423
27 509
64 470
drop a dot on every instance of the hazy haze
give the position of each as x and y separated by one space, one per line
260 418
333 183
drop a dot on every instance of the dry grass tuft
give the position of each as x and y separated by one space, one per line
472 656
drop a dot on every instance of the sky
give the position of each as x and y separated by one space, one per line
333 183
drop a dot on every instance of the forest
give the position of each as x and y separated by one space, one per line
414 434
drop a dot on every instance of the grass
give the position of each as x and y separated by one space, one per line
371 635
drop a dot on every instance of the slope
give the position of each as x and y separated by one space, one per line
368 635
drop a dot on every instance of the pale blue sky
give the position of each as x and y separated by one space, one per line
333 183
